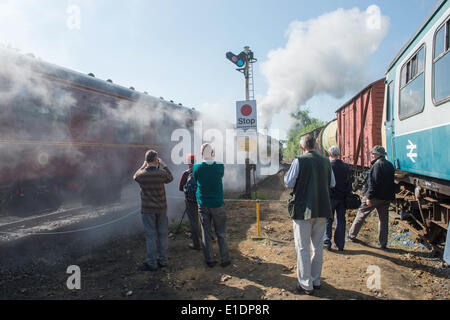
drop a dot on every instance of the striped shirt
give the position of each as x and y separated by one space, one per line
153 193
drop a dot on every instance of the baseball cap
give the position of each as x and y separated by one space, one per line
379 150
190 159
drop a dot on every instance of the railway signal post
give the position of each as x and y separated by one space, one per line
245 61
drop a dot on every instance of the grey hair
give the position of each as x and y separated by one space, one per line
207 151
308 142
334 151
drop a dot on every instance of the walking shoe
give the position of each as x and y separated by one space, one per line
352 239
301 290
145 267
327 246
382 247
162 265
191 246
225 264
211 264
337 248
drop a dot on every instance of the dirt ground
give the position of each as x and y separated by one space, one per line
261 269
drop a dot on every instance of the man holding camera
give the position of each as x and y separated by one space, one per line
189 186
152 176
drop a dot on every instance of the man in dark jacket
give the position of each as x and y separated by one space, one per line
189 186
380 193
152 176
311 178
338 195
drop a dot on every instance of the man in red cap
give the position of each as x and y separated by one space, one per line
189 186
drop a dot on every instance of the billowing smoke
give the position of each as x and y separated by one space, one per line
229 149
325 55
49 130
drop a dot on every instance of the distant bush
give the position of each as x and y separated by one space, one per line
304 123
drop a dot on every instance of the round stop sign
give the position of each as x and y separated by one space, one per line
246 110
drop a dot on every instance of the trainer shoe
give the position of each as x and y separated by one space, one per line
352 239
300 289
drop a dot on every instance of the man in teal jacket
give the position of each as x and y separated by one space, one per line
208 175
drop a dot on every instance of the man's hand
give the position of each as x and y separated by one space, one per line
162 163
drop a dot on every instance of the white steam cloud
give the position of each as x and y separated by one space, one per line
325 55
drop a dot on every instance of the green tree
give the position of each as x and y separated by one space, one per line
303 124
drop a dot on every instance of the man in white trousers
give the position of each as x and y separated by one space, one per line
311 178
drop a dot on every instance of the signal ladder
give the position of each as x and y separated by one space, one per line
251 83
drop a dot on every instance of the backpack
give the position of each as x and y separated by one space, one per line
190 188
353 201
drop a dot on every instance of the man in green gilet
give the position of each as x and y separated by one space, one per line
311 178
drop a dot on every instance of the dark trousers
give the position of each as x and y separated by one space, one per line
337 206
217 217
192 212
382 207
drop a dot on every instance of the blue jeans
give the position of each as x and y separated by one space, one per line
339 232
192 213
157 238
219 218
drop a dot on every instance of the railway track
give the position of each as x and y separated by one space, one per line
60 221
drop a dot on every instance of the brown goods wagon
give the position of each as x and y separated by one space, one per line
359 124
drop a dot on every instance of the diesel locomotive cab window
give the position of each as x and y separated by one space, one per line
441 64
412 90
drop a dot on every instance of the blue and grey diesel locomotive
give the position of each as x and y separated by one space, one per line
417 125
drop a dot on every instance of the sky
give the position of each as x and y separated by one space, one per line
176 49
